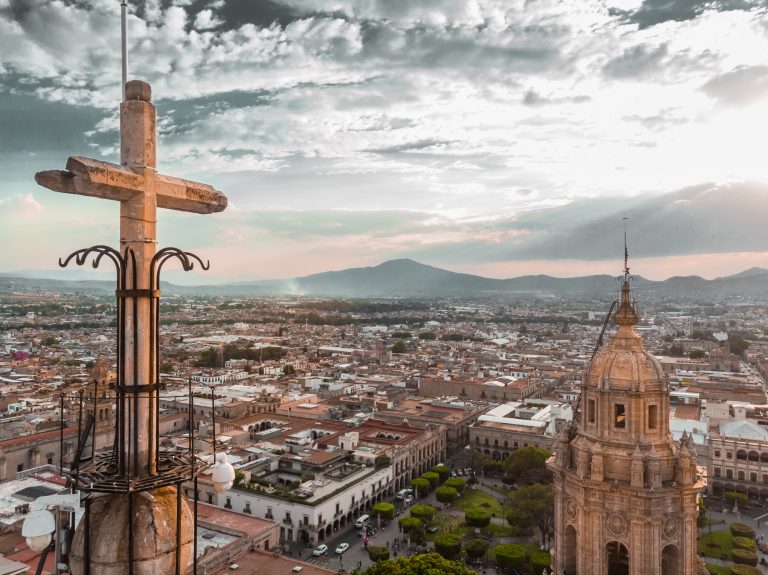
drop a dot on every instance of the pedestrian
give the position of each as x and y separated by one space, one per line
387 543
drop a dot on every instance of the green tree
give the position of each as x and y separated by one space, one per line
527 465
433 478
738 345
732 497
398 346
696 354
446 494
510 555
420 485
382 461
166 367
423 512
384 510
477 518
409 524
378 553
457 483
448 544
443 471
426 564
533 506
427 335
476 548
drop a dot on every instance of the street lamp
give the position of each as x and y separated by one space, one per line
38 529
223 475
40 525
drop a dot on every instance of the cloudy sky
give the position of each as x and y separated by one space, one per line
498 137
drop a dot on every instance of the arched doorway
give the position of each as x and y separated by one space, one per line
618 558
570 549
670 561
304 536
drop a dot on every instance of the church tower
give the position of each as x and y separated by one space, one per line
625 491
100 407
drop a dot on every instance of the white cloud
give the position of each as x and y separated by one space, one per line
20 205
206 20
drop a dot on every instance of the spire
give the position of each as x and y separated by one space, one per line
626 314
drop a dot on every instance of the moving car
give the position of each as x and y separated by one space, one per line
342 547
320 550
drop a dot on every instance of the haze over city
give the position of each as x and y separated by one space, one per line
498 138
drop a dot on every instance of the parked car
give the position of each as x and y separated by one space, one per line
341 547
409 498
320 550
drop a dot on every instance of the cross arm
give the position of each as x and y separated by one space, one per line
87 177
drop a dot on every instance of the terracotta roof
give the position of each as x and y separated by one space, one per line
260 562
34 437
236 521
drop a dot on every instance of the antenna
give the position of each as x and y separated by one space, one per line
626 251
124 41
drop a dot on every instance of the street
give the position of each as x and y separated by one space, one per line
384 537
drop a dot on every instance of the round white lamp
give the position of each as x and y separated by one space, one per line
38 528
223 473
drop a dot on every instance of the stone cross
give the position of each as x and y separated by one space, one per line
140 190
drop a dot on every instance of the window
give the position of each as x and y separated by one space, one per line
210 498
717 472
741 476
717 453
729 454
753 477
652 416
269 513
20 467
765 477
247 508
729 473
591 411
288 517
228 505
619 416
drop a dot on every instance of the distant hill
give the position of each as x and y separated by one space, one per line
407 278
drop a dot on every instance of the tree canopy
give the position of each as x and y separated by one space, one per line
426 564
386 510
446 494
527 465
533 506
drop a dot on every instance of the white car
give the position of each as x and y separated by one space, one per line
342 547
320 550
409 499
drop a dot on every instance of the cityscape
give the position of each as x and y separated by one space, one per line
393 288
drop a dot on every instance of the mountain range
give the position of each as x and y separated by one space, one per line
407 278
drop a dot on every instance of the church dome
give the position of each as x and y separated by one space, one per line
623 364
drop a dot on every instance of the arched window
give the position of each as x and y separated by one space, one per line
670 561
618 558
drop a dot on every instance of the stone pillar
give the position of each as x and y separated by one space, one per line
138 231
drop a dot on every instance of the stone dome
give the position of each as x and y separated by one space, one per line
623 364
